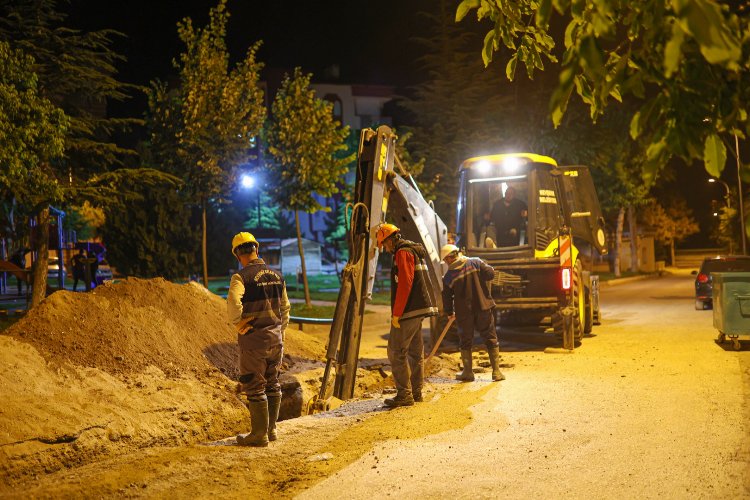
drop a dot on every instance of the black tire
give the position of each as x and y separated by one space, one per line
588 324
579 305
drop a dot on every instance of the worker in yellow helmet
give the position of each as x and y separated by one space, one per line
258 306
467 298
411 302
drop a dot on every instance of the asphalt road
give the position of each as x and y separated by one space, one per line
650 406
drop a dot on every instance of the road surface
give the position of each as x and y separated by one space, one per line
648 407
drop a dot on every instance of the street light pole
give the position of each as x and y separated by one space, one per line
726 186
739 195
728 198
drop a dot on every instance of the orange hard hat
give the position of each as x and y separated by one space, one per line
384 232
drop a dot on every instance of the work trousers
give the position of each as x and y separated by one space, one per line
481 321
406 354
259 372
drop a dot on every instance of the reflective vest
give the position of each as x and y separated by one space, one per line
419 303
264 289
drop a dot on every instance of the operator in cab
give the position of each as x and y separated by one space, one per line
508 216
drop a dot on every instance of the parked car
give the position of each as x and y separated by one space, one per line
103 272
718 264
54 267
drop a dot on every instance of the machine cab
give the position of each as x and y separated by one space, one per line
497 206
515 204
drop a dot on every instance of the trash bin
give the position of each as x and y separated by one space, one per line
731 299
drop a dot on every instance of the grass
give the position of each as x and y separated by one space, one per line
313 311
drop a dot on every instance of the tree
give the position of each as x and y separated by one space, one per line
682 59
152 235
206 127
457 110
75 72
672 223
306 151
32 132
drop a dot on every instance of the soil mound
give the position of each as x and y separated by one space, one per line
129 365
125 327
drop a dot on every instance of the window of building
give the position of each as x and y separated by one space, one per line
338 107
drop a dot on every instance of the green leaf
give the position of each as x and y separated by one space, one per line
704 21
673 50
543 13
568 39
561 96
592 56
510 68
714 155
488 48
464 8
561 5
635 126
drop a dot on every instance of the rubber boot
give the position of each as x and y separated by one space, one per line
274 403
467 375
494 353
258 436
401 399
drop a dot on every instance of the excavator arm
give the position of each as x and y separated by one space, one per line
379 190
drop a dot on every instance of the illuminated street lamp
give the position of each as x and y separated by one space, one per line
249 182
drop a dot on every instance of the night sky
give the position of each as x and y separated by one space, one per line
370 41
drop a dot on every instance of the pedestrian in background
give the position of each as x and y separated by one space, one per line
77 263
258 306
467 298
411 302
18 258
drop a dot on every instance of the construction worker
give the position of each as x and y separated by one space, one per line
411 302
467 298
258 306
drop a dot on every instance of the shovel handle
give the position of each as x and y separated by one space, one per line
440 339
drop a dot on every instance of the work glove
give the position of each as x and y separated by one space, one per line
394 322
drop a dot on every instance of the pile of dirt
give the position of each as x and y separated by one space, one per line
126 366
123 328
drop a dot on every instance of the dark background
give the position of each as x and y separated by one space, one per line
370 42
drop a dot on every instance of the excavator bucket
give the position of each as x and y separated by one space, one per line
316 405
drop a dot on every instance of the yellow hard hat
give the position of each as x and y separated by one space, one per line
242 238
384 232
447 250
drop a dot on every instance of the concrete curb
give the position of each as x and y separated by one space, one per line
629 279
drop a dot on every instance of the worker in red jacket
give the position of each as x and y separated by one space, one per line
466 293
411 302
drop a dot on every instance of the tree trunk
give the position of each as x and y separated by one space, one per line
633 229
618 240
308 302
671 252
204 252
39 269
